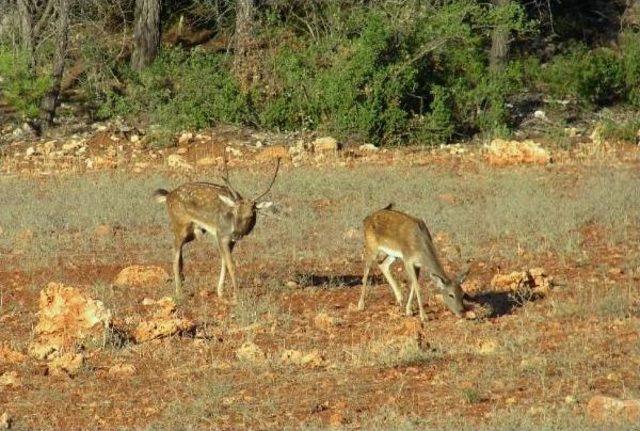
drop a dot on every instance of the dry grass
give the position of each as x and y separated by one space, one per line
320 215
512 371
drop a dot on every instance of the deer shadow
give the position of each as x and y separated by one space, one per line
334 281
503 303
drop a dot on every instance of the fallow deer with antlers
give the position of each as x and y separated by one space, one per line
218 209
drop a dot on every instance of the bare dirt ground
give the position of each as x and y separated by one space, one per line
529 360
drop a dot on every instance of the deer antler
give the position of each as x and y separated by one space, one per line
273 180
225 176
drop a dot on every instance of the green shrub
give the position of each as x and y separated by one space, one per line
181 90
20 87
625 130
423 80
630 48
594 77
386 74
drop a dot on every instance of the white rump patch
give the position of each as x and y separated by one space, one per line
390 252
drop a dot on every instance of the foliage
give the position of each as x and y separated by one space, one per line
596 77
181 90
19 86
391 72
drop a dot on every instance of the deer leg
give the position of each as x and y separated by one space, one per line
368 261
182 235
223 271
413 273
177 265
409 308
384 267
225 251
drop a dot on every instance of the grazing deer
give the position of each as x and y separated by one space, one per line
395 234
198 207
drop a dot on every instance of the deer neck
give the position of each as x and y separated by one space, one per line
431 261
242 226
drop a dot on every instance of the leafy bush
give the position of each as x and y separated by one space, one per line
181 90
630 48
21 89
422 79
596 77
620 130
370 75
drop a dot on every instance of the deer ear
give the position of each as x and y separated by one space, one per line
462 276
439 281
264 205
228 201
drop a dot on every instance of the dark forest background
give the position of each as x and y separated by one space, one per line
381 71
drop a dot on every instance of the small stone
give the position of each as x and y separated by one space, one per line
470 315
325 144
369 148
250 352
141 276
31 151
69 364
148 301
10 379
122 370
185 138
49 146
71 146
134 138
273 153
570 399
540 115
163 323
207 161
502 152
176 161
291 284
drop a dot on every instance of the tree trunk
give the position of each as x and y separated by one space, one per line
51 98
499 43
631 15
243 39
146 34
26 32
